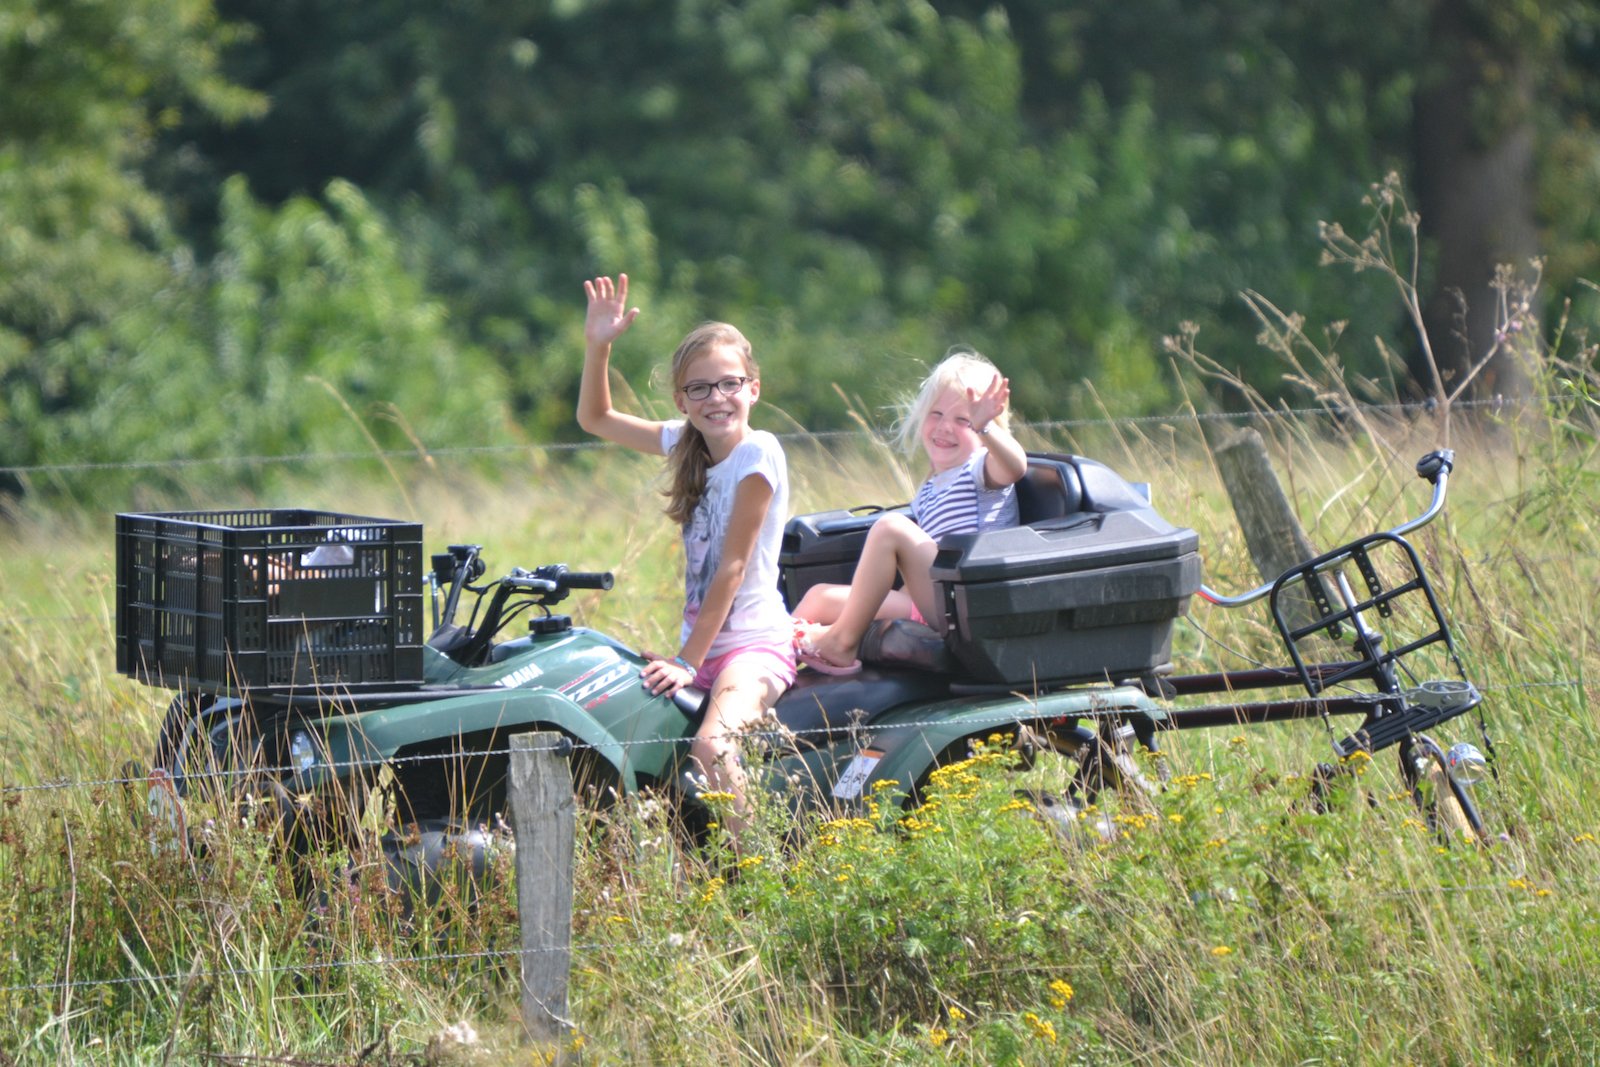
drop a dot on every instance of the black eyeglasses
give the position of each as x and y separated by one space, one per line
725 386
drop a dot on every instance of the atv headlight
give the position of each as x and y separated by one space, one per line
302 752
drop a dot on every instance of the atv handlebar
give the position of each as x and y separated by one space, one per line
555 578
1434 467
500 601
588 579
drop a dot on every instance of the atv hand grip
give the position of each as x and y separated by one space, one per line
587 579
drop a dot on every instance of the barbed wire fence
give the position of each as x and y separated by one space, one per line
1495 405
565 749
769 737
760 734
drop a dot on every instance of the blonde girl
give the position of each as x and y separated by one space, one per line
959 418
729 494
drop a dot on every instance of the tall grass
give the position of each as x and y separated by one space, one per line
1223 920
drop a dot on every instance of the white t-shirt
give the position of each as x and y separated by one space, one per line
758 615
959 500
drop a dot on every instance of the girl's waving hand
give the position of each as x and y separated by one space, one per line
609 315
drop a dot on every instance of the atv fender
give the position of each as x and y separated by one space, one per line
376 736
905 751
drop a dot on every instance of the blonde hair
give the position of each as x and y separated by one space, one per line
689 459
963 368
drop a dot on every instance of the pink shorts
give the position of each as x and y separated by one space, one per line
916 616
774 660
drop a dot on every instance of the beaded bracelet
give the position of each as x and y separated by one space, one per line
685 664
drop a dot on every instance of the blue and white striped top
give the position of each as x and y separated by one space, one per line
958 501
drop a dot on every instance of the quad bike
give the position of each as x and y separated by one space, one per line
303 681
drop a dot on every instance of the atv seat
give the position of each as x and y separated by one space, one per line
1050 489
819 710
1059 490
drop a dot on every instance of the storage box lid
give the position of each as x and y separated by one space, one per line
1081 541
827 536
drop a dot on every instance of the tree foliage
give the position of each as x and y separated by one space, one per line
858 184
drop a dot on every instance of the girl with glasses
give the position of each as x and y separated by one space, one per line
729 494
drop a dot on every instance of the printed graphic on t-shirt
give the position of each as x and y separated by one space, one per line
757 613
702 542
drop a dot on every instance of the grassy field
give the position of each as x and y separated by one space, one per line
1224 923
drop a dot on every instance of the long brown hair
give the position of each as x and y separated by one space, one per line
690 457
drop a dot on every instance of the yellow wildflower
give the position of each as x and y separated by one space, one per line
1043 1029
938 1036
1060 993
751 861
957 1016
1221 950
1579 839
884 783
715 795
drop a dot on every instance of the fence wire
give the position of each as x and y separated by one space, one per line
774 736
660 945
1323 411
770 736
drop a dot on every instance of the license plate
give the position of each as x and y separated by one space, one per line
854 778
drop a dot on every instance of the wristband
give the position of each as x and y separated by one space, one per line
685 664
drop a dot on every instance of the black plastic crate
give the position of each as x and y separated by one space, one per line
269 600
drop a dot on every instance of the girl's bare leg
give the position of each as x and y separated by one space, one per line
823 604
896 545
740 696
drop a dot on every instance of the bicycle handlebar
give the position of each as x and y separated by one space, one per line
1434 467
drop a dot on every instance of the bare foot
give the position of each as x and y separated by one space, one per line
825 652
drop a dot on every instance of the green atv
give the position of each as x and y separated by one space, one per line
295 642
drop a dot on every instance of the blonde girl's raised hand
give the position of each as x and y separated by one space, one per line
1006 462
989 404
609 315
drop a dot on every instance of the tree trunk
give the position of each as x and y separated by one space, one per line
1475 192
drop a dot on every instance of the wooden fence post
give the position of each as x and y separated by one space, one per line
1271 531
543 818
